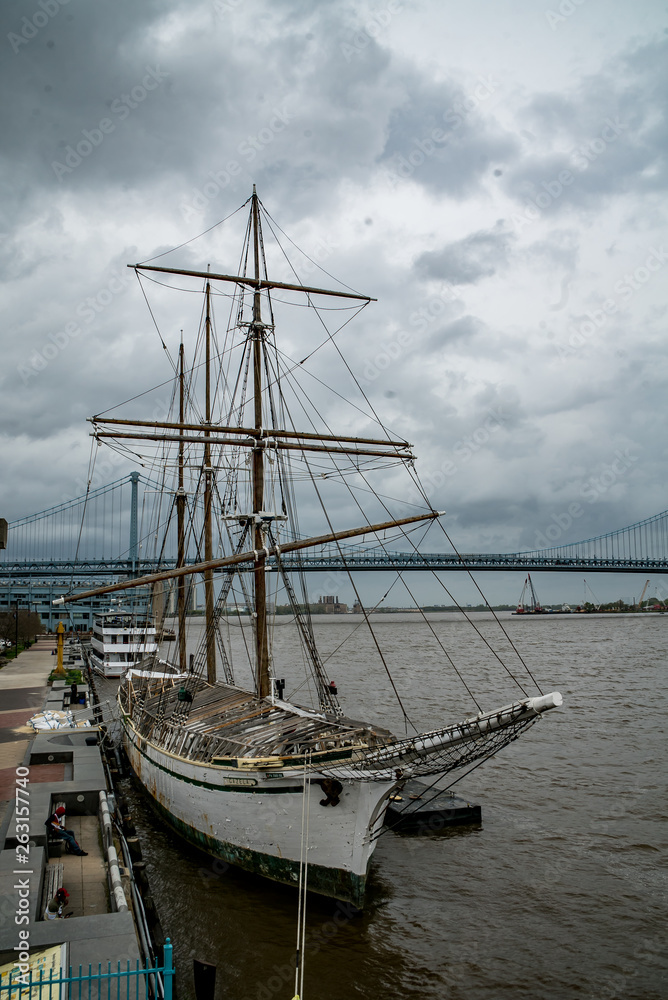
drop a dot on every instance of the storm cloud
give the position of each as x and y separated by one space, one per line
493 177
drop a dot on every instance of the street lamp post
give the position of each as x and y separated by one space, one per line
34 606
16 628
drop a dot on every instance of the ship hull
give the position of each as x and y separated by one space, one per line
254 821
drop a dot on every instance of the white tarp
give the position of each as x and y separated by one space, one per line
56 720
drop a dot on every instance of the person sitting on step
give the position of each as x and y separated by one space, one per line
54 908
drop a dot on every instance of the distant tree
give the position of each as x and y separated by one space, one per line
29 625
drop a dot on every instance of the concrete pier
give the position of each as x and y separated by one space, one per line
60 767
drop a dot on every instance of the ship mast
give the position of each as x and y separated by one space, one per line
256 438
208 508
259 580
181 520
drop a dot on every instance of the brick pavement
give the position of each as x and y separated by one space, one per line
22 690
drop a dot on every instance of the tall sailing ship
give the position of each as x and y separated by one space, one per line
245 770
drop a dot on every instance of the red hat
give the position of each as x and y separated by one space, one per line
60 811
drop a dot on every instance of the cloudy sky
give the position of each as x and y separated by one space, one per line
493 173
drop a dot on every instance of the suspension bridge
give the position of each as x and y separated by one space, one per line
59 544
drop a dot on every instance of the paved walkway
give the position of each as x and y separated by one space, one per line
85 878
30 669
94 934
22 690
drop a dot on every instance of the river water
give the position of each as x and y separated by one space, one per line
563 890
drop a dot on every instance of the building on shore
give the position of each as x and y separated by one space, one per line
39 595
331 605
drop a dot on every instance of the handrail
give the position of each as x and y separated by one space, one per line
124 984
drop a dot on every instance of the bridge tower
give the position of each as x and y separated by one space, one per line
133 553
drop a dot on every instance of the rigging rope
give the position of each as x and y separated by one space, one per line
91 469
407 720
415 478
386 828
300 956
319 266
496 617
193 238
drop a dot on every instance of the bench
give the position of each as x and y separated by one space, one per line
53 881
54 844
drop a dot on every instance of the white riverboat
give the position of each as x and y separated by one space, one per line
121 641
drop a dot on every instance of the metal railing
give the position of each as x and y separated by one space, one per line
153 982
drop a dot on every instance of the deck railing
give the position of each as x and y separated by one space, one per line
153 982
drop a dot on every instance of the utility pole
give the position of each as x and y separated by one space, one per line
16 628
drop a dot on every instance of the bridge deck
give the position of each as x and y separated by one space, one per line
403 561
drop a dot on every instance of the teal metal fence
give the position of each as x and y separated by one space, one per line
152 982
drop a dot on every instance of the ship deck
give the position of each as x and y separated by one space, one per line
223 721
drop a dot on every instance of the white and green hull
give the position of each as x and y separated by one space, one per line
254 820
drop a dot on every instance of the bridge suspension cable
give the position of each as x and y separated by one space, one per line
45 543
